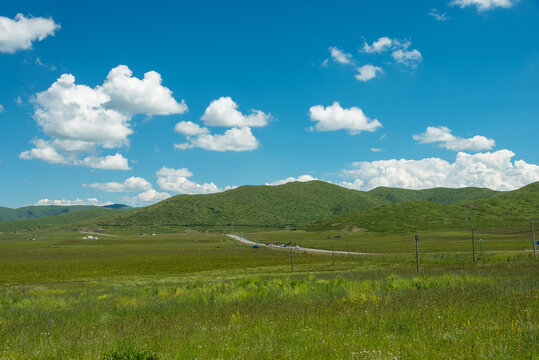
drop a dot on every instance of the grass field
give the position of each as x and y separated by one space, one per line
202 295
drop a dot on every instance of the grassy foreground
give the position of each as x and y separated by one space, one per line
187 296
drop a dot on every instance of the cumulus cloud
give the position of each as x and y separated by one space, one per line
382 44
301 178
65 202
135 96
407 57
340 56
483 5
235 139
189 128
148 197
224 112
335 117
176 180
131 184
109 162
20 32
368 72
446 139
494 170
440 17
82 120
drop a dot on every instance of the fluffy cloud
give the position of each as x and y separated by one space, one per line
334 117
109 162
224 112
483 5
368 72
382 44
19 33
189 128
81 119
148 197
493 170
134 96
1 108
131 184
440 17
301 178
443 136
64 202
235 139
176 180
407 57
340 56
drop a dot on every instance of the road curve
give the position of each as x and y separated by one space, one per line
311 250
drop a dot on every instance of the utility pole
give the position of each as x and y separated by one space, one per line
417 253
473 243
534 242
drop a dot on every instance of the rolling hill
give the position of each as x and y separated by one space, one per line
502 209
295 204
38 211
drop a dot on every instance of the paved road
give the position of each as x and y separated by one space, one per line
311 250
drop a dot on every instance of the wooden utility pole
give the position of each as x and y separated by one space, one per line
534 242
417 253
473 243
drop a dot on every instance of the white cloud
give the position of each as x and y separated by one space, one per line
368 72
109 162
131 184
77 112
64 202
177 180
81 119
334 117
19 33
443 136
483 5
380 45
340 56
224 112
1 108
440 17
134 96
147 197
407 57
493 170
235 139
189 128
18 100
376 149
301 178
43 151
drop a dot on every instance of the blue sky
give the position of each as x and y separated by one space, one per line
362 94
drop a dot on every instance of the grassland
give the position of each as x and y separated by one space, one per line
201 295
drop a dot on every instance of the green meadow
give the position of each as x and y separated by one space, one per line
204 296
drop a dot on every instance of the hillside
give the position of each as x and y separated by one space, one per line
62 219
437 195
507 208
295 204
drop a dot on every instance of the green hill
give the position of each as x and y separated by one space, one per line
506 208
62 219
295 204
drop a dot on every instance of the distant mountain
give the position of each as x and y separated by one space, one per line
118 207
46 222
31 212
502 209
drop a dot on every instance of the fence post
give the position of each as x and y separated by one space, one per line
417 253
